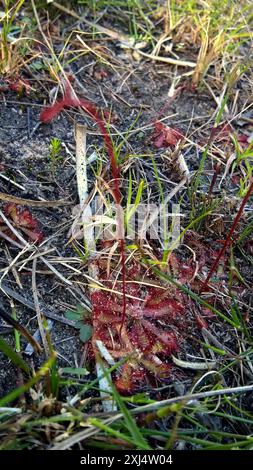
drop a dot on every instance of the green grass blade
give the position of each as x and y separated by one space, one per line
110 431
24 388
13 356
131 425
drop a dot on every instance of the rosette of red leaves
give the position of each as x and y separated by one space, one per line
17 84
165 136
157 322
23 220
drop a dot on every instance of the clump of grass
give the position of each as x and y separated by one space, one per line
8 53
200 23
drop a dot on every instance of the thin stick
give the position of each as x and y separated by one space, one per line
30 202
229 236
37 308
82 185
193 397
15 295
22 330
16 233
124 39
150 407
88 233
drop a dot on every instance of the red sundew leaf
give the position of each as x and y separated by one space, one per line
23 219
104 307
141 339
223 133
168 307
165 136
50 112
134 270
20 217
160 141
129 378
16 84
100 74
186 273
235 179
201 322
243 139
159 369
133 290
20 85
71 78
34 235
192 87
168 339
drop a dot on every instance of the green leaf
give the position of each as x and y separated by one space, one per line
81 309
78 314
73 315
13 356
75 371
85 332
109 430
138 398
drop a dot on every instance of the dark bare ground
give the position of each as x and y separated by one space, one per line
26 161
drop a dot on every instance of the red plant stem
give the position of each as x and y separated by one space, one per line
215 176
69 100
123 272
92 110
228 239
167 104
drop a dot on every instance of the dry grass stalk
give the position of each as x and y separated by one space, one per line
88 233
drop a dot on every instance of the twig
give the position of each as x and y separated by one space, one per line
13 262
16 233
193 397
37 308
8 291
167 60
187 399
88 233
203 365
229 236
55 271
30 202
23 331
124 39
82 185
14 271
